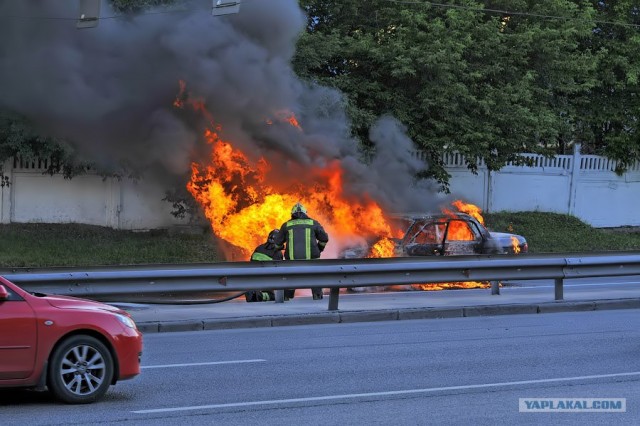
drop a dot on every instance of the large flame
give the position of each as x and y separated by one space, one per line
243 201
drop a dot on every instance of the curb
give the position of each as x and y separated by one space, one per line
384 315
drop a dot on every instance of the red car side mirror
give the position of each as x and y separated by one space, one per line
4 294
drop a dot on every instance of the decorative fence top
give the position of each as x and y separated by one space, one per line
450 159
587 163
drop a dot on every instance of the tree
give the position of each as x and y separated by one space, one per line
19 139
608 114
487 85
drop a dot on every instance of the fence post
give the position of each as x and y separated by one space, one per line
333 298
489 189
573 180
559 289
113 203
7 192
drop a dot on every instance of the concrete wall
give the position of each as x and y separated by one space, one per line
583 186
34 196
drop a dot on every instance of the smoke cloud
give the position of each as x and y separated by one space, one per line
110 90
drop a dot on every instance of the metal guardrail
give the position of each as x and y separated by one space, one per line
331 273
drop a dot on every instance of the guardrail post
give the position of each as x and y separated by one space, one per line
559 289
333 298
279 296
495 287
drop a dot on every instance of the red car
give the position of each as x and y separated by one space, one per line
74 347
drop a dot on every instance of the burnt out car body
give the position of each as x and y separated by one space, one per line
457 234
446 235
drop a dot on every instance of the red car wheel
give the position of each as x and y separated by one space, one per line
80 370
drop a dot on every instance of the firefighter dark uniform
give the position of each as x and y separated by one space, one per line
302 238
266 251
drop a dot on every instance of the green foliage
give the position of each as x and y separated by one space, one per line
184 205
20 139
487 85
137 5
608 114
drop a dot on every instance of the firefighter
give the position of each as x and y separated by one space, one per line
302 237
265 251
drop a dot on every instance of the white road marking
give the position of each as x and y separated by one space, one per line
579 285
193 364
389 393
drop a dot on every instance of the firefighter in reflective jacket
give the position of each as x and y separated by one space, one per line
302 238
266 251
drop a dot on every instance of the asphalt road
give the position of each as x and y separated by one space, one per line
581 282
447 371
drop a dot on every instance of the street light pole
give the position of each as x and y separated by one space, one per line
225 7
88 14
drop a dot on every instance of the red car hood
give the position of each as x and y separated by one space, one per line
67 302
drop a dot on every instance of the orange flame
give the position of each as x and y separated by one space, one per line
286 117
178 101
458 230
383 248
515 244
443 286
470 209
243 201
289 117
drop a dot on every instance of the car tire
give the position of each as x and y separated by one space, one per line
80 370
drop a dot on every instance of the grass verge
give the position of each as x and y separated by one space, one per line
47 245
557 233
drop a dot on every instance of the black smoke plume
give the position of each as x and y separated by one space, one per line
110 90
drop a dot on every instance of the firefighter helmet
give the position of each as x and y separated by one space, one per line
272 236
298 208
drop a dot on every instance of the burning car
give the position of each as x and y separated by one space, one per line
246 195
442 234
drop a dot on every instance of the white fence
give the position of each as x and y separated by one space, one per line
35 197
583 186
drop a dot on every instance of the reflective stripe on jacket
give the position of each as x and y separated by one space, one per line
266 251
304 238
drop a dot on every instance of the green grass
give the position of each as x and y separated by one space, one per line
46 245
556 233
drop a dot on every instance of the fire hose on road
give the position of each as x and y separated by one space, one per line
225 277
